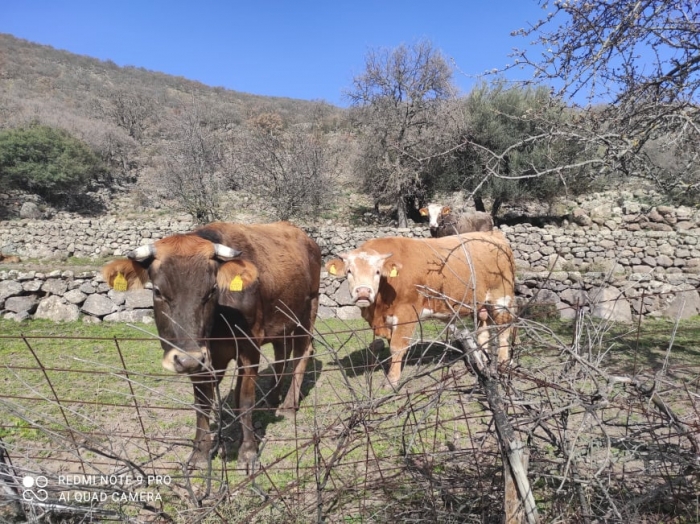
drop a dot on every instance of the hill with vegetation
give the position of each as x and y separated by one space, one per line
133 119
76 133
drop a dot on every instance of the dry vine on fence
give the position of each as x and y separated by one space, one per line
92 431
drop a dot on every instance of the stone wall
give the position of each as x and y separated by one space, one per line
629 261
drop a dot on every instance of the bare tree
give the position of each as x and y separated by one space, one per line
194 160
288 167
397 103
129 110
637 65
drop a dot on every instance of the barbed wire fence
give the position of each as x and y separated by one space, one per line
609 424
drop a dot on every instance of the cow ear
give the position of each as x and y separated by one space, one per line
424 212
391 269
236 276
124 274
446 210
335 267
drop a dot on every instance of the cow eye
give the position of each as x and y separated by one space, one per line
156 292
211 293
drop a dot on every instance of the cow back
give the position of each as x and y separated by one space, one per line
288 264
466 223
464 268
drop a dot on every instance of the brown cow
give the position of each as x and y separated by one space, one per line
444 223
258 283
9 259
399 281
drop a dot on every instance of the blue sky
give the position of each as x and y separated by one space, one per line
299 49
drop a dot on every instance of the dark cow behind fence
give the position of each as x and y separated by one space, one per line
258 283
444 223
399 281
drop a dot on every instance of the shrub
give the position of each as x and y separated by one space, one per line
45 161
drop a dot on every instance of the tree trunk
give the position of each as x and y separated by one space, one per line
497 203
402 212
519 502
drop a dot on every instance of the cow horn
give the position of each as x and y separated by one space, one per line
142 253
225 253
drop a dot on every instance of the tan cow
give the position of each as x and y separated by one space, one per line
444 223
399 281
258 283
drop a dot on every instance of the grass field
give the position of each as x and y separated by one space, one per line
92 399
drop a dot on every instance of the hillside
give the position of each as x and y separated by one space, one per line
131 116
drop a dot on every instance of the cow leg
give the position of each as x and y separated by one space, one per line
483 333
278 366
398 344
203 439
248 360
501 317
302 351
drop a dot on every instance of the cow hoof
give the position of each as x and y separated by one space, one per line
285 410
248 457
391 385
197 458
223 454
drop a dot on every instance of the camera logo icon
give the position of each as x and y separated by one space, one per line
30 494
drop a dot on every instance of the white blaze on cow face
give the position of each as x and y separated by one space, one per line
435 212
364 270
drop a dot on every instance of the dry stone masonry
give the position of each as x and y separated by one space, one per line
619 260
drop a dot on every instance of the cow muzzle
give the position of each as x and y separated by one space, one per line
363 296
179 361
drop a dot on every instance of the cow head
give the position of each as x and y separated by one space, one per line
192 279
364 270
435 214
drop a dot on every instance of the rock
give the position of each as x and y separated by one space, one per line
326 301
75 296
342 296
686 304
9 288
325 312
655 216
139 299
580 217
87 288
348 313
32 286
53 308
98 305
18 317
55 286
22 304
30 210
144 316
609 304
118 297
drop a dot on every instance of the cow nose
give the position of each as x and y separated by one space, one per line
363 293
185 363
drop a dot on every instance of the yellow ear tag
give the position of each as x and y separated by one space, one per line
120 283
332 270
236 284
394 272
